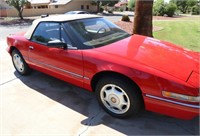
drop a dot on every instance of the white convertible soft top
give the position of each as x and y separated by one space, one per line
57 18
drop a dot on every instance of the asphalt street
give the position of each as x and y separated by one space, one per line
39 104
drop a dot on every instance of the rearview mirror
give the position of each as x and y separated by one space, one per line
57 44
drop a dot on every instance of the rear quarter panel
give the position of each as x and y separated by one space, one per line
19 42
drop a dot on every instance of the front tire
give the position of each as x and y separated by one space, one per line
19 63
119 97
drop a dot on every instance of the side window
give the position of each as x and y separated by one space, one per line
50 31
65 38
40 34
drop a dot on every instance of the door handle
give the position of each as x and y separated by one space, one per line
31 47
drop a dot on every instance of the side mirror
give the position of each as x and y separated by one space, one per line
57 44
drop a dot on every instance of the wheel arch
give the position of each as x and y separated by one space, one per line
127 79
12 48
102 74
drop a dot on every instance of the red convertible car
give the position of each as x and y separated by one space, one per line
128 73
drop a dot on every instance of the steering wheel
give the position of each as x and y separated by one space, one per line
102 29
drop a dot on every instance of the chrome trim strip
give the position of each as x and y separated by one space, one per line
68 72
174 102
86 78
26 58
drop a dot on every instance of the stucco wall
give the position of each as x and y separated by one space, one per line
33 12
3 12
74 5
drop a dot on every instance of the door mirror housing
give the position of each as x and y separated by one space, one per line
57 44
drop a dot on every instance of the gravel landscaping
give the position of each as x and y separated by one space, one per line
128 26
13 21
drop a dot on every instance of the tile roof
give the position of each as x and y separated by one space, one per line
60 2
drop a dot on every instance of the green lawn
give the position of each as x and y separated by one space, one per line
185 33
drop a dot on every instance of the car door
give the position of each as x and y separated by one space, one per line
66 64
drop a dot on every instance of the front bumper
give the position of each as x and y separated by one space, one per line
171 108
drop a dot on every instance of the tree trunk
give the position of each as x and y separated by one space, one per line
143 18
185 9
98 6
20 13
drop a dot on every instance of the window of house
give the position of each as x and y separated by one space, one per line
82 6
88 7
56 6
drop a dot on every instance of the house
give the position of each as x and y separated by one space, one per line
40 7
4 5
36 4
85 5
3 8
122 5
59 3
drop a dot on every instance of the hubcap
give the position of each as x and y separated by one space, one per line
115 99
18 62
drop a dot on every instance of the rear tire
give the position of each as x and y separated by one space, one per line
19 63
119 97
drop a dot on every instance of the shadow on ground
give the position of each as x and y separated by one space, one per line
85 103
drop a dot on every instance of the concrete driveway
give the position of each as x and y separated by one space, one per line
42 105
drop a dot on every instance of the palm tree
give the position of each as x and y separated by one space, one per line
143 17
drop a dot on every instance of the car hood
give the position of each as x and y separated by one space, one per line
149 52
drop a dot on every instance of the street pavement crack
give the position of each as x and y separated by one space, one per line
9 81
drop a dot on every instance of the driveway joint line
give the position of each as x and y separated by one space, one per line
90 122
9 81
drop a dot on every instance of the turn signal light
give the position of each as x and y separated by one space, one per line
181 96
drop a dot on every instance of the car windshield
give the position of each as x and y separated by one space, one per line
96 32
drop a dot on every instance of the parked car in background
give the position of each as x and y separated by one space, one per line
77 12
128 73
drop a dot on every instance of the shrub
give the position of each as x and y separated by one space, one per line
131 4
195 10
110 11
170 9
101 9
160 8
125 18
121 9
